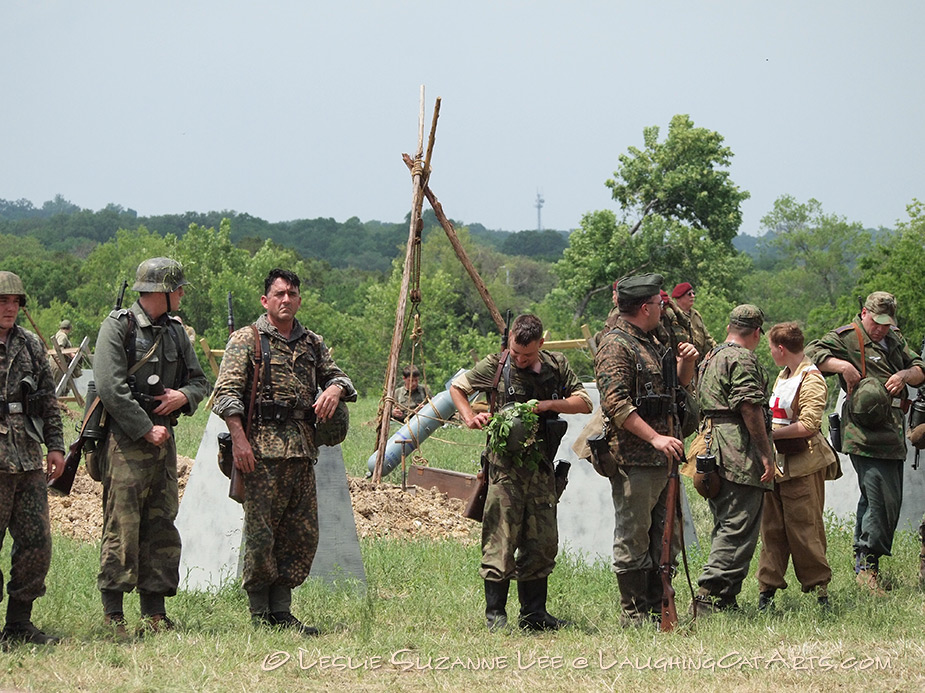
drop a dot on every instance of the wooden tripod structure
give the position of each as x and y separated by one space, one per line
420 173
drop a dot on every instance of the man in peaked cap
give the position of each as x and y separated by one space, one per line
636 404
733 396
874 365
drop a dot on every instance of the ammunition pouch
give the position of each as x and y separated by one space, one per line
271 410
602 459
652 407
707 480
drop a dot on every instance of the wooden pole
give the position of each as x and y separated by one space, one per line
417 202
461 252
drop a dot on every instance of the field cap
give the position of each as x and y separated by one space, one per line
747 315
639 286
882 307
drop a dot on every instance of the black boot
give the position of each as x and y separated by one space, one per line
766 599
634 602
280 603
533 614
496 603
19 626
655 592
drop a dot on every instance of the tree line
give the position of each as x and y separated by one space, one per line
677 212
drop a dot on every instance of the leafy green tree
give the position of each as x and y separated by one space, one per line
682 178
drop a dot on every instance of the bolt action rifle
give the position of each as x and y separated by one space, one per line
669 616
236 486
475 506
90 430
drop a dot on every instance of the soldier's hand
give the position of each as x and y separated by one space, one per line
170 401
851 375
687 351
478 420
55 460
243 454
158 435
896 385
326 403
768 469
672 447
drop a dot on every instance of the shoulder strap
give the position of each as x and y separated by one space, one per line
857 331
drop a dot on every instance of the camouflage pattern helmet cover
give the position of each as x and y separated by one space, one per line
870 403
11 285
159 274
333 431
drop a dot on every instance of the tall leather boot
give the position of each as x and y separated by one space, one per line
280 603
496 603
533 614
634 601
19 626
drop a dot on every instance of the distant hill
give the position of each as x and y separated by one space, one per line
372 245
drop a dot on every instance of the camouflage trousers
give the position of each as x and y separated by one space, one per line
640 496
881 485
24 511
280 523
141 544
736 523
520 537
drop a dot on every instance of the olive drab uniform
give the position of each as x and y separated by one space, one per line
730 376
874 439
628 367
689 327
520 510
280 503
141 545
409 401
29 417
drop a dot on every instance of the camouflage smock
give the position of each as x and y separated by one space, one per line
299 366
883 360
620 382
690 328
174 361
729 377
23 355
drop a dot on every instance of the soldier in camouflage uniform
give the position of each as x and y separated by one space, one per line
872 420
687 323
733 396
29 416
63 340
520 536
277 461
138 351
628 367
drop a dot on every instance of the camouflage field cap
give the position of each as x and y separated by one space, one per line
639 286
748 316
333 431
870 403
882 307
11 285
159 274
64 324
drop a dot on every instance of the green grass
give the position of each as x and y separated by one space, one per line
419 627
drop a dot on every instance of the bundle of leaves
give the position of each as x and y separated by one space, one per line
521 448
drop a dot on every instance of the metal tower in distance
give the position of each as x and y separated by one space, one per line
539 209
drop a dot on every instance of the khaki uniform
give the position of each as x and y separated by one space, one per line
730 377
792 525
407 401
141 545
877 454
280 502
520 537
23 490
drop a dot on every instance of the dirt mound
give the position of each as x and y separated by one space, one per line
383 511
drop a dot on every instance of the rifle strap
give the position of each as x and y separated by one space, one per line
493 397
258 358
857 331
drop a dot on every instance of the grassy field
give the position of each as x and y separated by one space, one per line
418 627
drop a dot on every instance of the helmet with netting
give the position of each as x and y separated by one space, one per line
11 285
159 274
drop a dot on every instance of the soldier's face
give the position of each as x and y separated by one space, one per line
874 329
686 302
9 311
411 382
282 302
526 355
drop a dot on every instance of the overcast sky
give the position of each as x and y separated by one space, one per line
289 109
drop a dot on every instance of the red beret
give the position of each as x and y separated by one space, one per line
664 295
681 289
